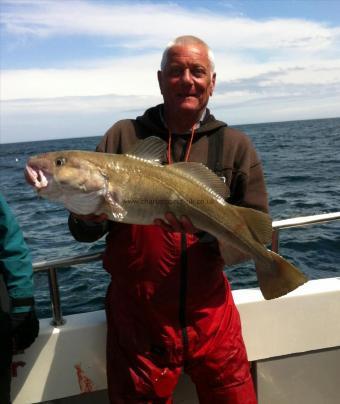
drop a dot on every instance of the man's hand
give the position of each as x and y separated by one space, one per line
172 224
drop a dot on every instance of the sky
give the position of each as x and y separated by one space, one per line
71 68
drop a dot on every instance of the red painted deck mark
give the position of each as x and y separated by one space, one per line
85 384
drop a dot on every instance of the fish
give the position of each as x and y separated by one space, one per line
138 188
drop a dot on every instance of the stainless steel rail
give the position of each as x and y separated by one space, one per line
298 222
66 262
51 266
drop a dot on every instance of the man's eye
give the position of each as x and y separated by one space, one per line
199 72
176 71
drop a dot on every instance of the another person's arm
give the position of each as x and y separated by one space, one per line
247 189
16 267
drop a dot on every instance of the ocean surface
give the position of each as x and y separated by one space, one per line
302 168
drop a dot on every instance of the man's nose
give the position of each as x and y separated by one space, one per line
187 76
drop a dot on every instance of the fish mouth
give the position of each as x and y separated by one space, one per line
36 177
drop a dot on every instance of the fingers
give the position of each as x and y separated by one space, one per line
188 226
165 226
172 224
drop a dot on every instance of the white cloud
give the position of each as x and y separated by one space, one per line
266 70
68 105
243 47
145 25
53 118
38 119
134 75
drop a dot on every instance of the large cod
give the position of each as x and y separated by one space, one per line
136 188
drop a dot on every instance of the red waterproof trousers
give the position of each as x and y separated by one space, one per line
169 307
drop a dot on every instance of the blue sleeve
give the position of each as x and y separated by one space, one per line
15 259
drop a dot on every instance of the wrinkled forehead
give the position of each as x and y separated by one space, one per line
188 54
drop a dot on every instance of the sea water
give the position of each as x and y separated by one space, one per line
302 171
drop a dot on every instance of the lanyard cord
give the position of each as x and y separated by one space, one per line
187 152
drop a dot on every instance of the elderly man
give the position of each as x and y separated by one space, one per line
169 305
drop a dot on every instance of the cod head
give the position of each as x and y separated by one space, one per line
71 177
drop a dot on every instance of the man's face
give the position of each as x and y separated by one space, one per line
186 81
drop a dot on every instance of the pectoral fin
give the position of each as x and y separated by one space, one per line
116 211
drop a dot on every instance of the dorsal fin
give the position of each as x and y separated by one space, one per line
203 176
151 148
259 224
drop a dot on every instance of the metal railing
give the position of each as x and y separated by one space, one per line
51 266
299 222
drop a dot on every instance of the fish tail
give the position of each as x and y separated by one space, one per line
281 278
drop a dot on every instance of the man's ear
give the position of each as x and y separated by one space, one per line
160 80
212 84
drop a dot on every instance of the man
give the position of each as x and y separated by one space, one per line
169 306
19 325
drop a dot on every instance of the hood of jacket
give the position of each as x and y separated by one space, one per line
152 121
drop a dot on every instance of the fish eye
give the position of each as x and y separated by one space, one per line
60 161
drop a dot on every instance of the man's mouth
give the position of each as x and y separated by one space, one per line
187 95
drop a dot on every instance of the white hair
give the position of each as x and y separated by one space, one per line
188 40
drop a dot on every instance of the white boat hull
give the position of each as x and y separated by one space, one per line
293 343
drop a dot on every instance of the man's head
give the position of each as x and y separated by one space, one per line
188 40
187 77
